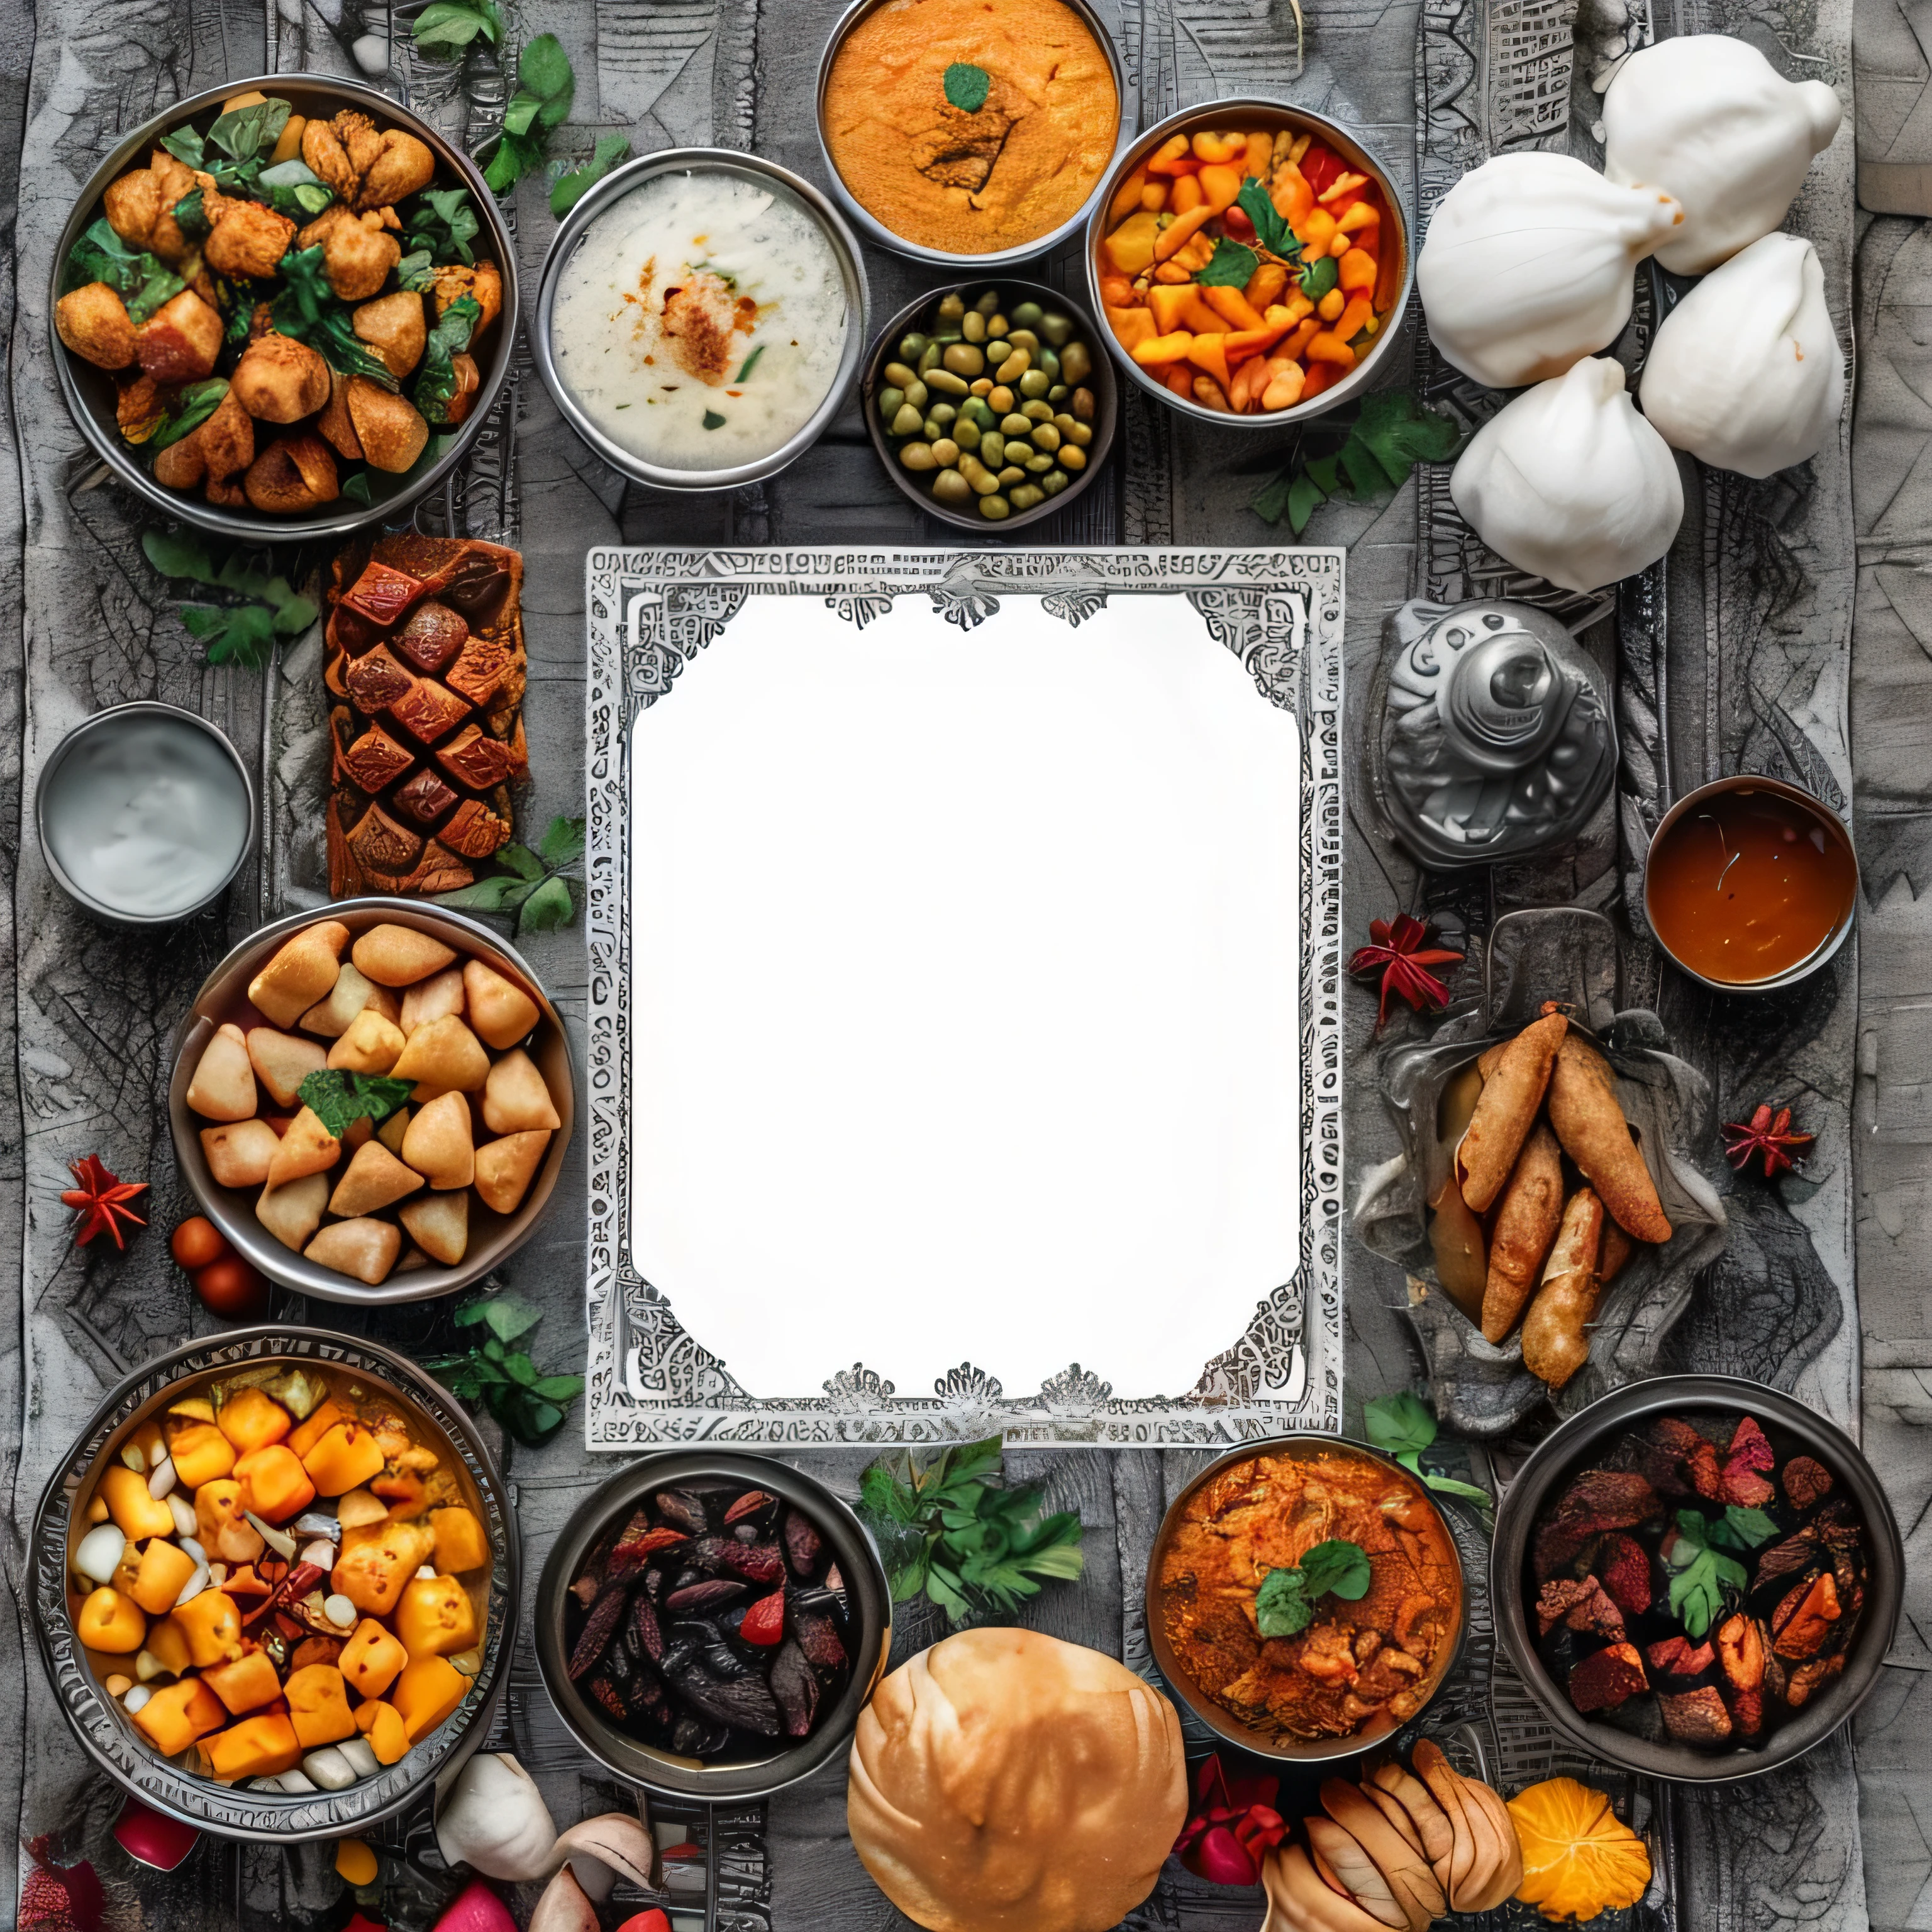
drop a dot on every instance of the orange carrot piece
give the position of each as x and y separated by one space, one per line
1356 271
1183 229
1329 347
1322 375
1126 197
1234 308
1261 154
1208 353
1187 195
1160 349
1292 196
1131 327
1220 185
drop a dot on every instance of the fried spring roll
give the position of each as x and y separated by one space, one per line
1589 1121
1555 1341
1526 1224
1456 1236
1511 1096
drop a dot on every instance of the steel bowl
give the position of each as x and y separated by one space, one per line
1571 1448
236 1811
1275 114
90 391
1826 948
747 167
870 1642
104 722
224 996
1223 1722
1103 383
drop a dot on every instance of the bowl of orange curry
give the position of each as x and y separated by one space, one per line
1305 1597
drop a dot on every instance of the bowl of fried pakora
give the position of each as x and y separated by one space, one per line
284 308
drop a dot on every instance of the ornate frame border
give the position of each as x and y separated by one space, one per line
649 612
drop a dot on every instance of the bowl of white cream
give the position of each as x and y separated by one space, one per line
701 318
145 812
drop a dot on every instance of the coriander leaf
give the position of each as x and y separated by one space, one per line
486 895
529 1420
416 272
185 145
1698 1591
512 156
338 1098
712 419
448 26
294 189
436 387
1305 497
190 218
520 859
1692 1530
521 1369
243 634
192 408
610 149
967 86
1282 1608
558 1388
1336 1568
1396 1424
548 908
1319 277
142 283
1271 230
1231 266
750 363
543 68
1740 1528
506 1316
356 489
178 553
441 222
563 841
243 133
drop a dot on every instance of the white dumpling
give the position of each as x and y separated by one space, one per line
1708 119
1569 482
1746 373
1527 265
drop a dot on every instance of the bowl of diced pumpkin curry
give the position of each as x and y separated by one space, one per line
1251 263
276 1583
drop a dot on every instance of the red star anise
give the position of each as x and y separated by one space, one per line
101 1197
1769 1135
1396 955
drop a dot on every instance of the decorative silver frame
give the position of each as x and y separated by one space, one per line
649 612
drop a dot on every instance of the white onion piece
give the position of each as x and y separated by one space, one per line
183 1512
163 1479
293 1783
340 1611
194 1586
361 1755
279 1541
131 1455
329 1769
98 1554
321 1555
135 1699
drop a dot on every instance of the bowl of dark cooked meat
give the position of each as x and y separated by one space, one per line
711 1625
1697 1577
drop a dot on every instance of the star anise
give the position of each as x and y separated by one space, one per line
1769 1135
101 1197
1397 955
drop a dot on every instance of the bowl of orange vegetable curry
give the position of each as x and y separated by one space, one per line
275 1583
1251 261
1305 1597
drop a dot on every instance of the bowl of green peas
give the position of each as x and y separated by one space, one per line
992 403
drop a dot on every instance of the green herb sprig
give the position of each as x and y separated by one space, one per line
535 886
446 29
338 1099
439 224
1392 432
235 149
545 89
569 188
142 283
435 390
955 1530
1284 1603
242 633
1401 1426
529 1403
1702 1576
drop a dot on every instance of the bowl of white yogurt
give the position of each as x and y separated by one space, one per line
145 812
701 318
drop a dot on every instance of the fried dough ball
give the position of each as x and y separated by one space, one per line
248 239
393 326
133 206
367 168
94 322
357 253
220 449
390 429
294 474
484 282
280 380
179 342
405 165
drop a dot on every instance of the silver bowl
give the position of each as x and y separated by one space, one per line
90 391
613 188
104 721
1572 1448
875 230
1223 1722
1270 114
224 996
235 1811
871 1641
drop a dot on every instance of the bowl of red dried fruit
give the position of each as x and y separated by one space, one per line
711 1625
1697 1577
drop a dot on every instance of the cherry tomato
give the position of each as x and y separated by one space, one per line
197 1242
231 1287
1234 219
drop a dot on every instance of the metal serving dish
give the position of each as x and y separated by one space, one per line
870 1642
875 230
224 996
606 194
1275 114
90 391
1572 1448
1105 384
1223 1722
235 1811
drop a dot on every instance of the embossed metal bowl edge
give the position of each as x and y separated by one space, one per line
234 1811
1571 1446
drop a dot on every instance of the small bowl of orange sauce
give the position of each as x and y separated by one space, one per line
1751 884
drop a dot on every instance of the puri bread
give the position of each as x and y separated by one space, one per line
1003 1781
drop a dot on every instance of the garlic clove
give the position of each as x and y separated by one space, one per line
1569 482
1746 373
360 1756
564 1907
1708 119
1528 267
329 1769
493 1819
98 1555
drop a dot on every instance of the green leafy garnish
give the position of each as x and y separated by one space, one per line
445 28
190 217
142 283
1281 1608
610 149
1739 1528
750 363
242 132
713 420
239 633
1401 1427
1701 1577
1392 433
191 408
957 1531
529 1404
1271 230
1284 1603
292 188
436 383
308 310
967 86
338 1099
416 272
186 144
1319 277
545 87
535 886
441 223
1229 267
